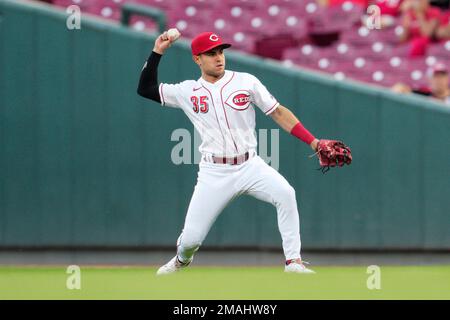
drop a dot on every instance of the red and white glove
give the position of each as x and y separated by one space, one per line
332 153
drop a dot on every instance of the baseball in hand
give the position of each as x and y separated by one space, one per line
173 34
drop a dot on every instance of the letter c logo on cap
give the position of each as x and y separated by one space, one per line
213 37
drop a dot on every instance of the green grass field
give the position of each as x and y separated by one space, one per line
419 282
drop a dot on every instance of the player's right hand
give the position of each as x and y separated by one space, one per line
162 43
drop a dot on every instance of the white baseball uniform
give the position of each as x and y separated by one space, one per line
224 115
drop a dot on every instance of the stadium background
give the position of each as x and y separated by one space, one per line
85 162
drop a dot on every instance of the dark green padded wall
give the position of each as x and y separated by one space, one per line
85 161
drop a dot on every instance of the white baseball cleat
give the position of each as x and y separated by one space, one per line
297 266
172 266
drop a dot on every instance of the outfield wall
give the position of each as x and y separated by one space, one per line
85 161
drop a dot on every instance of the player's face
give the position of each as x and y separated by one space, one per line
212 63
439 82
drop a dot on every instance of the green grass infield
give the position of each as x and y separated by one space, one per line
254 283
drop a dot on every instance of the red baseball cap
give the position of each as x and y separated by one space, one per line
439 67
206 41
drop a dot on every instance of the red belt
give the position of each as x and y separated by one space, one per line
233 160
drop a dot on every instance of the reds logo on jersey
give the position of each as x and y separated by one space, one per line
239 100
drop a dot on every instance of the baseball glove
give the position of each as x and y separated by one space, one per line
332 153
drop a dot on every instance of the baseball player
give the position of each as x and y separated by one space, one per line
221 105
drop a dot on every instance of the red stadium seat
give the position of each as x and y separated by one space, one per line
250 4
360 36
329 39
273 46
162 4
243 41
441 50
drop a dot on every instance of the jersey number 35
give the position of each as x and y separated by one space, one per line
199 104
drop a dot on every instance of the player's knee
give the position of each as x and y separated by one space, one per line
286 194
290 194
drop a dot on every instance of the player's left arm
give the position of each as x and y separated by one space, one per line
289 122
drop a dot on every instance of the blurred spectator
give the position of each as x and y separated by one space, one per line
401 88
443 4
332 3
419 21
443 31
388 7
439 84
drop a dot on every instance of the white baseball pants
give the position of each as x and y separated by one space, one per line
218 184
